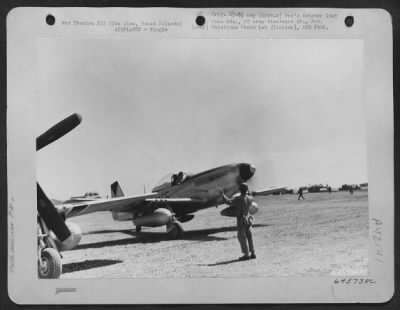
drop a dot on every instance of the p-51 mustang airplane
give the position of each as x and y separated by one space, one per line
173 201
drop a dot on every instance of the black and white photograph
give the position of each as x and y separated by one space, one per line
288 119
200 157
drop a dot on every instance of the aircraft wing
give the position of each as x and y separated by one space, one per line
123 204
172 200
180 205
112 204
268 191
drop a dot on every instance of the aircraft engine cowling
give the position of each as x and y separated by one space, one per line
72 241
159 217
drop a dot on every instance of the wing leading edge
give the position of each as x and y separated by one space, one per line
113 204
122 204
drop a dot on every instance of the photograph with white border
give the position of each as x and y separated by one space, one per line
150 122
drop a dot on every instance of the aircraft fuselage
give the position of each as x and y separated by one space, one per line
206 186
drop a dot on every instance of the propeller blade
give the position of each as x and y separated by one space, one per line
58 130
50 216
252 183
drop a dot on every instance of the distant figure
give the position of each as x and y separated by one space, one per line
174 179
329 189
351 190
244 221
300 192
177 179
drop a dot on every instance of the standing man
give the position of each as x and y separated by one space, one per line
300 192
244 220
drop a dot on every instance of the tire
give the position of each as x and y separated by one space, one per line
138 229
51 267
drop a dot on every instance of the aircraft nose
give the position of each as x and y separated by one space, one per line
247 171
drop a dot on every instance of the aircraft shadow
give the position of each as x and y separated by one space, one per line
88 264
130 231
203 235
107 231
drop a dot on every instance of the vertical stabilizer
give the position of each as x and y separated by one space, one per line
116 190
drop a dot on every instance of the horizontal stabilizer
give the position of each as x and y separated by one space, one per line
229 211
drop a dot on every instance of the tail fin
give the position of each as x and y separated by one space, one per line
116 190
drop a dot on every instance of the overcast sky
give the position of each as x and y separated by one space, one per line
294 108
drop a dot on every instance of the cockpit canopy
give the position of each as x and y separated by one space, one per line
178 178
171 179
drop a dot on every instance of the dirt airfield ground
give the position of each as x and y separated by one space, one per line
324 235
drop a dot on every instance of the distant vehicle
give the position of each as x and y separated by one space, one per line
317 188
347 187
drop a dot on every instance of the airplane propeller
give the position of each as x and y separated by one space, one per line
252 183
58 130
45 207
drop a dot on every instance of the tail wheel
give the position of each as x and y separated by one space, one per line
50 266
138 229
176 232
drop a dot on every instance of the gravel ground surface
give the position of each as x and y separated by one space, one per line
324 235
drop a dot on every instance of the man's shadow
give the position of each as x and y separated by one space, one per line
231 261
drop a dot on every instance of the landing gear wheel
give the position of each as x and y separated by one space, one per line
51 266
138 229
176 232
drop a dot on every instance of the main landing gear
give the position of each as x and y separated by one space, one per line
49 259
175 230
161 216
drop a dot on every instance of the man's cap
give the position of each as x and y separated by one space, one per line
243 187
